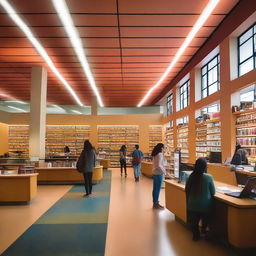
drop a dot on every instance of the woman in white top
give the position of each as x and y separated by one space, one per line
158 173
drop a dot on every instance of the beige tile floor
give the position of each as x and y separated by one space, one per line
134 229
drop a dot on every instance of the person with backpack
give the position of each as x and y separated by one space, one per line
86 164
137 156
200 190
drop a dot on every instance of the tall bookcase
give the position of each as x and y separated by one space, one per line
59 136
112 137
182 141
155 136
246 132
169 147
208 137
19 139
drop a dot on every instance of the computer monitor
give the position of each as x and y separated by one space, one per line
215 157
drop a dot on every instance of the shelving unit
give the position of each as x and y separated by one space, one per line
155 136
201 140
19 139
182 141
246 132
59 136
111 138
208 137
169 147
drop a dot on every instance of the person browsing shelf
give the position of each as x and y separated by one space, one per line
158 174
137 156
122 153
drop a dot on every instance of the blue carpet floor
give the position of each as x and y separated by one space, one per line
72 226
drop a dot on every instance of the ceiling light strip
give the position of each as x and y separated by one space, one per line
199 23
19 109
20 23
66 19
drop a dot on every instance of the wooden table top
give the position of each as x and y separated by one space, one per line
236 202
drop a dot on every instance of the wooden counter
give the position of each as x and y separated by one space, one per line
146 169
18 187
233 218
223 173
65 175
105 163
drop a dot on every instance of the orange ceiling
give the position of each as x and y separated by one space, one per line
129 44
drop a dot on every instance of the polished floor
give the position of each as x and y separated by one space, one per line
133 228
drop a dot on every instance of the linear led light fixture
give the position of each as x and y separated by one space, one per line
21 24
16 101
66 19
77 112
19 109
58 107
199 23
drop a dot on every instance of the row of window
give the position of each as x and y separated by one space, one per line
210 72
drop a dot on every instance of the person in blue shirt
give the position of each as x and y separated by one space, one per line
200 190
136 162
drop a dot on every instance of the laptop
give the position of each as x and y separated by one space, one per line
247 190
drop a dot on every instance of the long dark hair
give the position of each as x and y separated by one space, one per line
123 148
157 149
87 146
196 177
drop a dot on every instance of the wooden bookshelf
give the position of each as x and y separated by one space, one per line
19 139
183 142
246 132
208 137
112 137
155 136
59 136
169 147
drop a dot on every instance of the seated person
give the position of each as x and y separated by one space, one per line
200 190
66 150
240 157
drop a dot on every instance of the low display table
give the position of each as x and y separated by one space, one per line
18 187
65 175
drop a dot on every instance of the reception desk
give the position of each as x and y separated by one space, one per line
18 187
223 173
146 169
66 175
233 218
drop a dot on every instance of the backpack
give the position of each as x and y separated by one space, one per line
136 160
80 163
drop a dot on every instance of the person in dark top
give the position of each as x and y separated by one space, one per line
122 153
66 150
86 163
200 190
136 162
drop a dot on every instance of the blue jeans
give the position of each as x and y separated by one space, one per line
136 169
157 184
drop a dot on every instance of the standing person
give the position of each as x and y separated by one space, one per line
136 162
199 193
122 153
86 164
158 173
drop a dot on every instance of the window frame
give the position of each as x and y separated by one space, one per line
253 56
169 104
181 94
207 76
